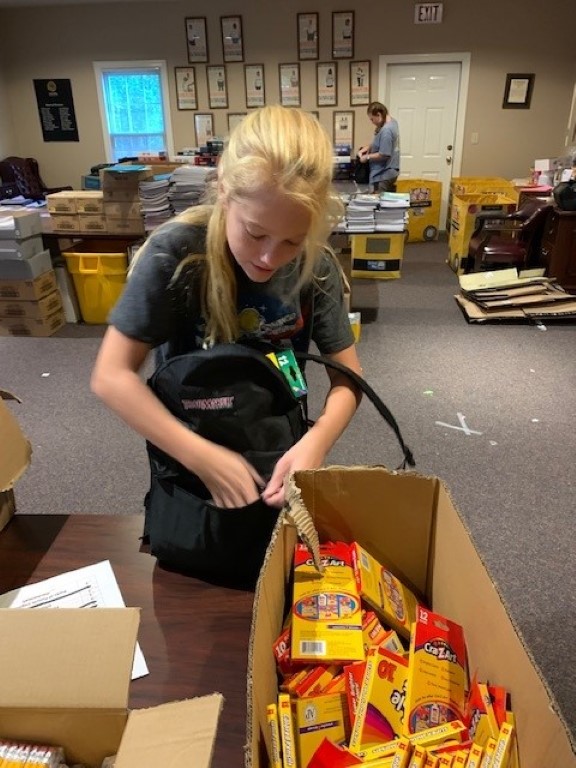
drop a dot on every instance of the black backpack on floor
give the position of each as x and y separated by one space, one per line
232 395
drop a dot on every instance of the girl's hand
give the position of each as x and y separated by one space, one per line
306 454
231 480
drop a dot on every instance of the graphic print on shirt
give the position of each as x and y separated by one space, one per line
268 317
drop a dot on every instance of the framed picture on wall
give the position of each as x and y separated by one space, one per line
217 87
359 83
307 25
234 118
343 34
232 38
196 40
518 91
186 88
254 84
327 84
343 128
289 84
204 127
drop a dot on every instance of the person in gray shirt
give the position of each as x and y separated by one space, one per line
383 153
256 260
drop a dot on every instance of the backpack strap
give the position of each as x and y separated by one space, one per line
375 399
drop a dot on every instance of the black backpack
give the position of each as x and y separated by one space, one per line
233 395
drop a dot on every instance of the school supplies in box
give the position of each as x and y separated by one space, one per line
353 677
380 709
440 734
437 680
315 681
274 731
286 727
480 716
326 616
392 601
318 718
503 749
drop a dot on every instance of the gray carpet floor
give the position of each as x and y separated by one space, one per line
511 476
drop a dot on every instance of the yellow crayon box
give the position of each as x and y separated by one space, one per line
326 612
286 727
402 754
489 750
438 677
432 737
418 758
274 731
380 707
475 756
501 757
384 593
318 718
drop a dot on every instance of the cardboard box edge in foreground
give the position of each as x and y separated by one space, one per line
15 456
457 584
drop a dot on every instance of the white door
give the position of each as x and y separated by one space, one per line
424 98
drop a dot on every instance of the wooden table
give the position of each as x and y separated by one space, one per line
194 635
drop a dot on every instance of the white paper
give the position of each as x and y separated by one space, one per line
93 586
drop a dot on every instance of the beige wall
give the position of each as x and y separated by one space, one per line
501 36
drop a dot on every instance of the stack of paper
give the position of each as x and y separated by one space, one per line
154 201
187 185
360 213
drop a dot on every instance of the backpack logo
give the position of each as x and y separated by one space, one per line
209 404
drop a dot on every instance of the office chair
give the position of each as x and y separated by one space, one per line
24 173
508 240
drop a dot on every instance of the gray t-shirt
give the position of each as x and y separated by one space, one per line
386 142
148 311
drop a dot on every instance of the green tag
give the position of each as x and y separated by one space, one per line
291 370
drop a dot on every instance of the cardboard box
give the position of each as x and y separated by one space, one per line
29 290
75 201
30 326
70 688
125 226
39 310
410 522
25 269
65 222
125 177
61 202
21 249
120 210
89 222
15 453
18 224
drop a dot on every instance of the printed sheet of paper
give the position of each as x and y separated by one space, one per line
93 586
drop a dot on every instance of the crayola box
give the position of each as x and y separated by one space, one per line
438 679
326 615
391 600
380 708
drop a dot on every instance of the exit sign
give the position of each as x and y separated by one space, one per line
428 13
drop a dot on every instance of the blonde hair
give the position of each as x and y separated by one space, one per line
273 147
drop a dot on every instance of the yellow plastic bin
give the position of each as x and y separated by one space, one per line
424 214
99 271
477 185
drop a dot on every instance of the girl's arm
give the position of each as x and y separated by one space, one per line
116 380
311 450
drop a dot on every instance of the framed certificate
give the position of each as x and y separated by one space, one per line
204 127
185 88
232 39
343 35
289 85
359 83
217 87
307 25
343 130
254 84
327 84
234 118
196 40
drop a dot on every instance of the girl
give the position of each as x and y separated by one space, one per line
251 255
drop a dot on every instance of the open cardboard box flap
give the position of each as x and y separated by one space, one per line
409 523
15 450
71 684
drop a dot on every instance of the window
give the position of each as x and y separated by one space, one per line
134 108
